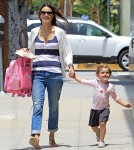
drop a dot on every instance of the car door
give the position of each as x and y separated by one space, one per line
71 32
91 43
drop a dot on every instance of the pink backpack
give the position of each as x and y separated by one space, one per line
18 77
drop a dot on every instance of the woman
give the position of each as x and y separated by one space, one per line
50 45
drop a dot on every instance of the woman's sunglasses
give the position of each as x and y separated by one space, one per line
46 12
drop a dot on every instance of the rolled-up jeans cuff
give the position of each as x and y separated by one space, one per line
33 132
52 130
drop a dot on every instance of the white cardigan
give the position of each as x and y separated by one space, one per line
64 47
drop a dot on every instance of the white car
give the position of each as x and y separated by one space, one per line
92 43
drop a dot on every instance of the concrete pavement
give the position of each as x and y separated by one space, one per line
74 132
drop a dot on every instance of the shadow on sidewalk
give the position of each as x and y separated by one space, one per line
125 80
43 147
129 115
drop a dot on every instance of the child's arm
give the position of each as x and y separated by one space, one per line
123 103
77 78
84 81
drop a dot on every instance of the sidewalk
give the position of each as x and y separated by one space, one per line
74 132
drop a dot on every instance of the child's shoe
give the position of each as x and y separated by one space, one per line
101 145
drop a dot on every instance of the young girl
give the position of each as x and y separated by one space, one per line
100 107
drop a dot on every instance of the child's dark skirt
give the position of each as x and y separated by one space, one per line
97 116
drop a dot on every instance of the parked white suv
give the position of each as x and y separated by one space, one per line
92 43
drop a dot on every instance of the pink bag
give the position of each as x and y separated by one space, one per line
18 77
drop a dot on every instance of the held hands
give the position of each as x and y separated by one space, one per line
71 72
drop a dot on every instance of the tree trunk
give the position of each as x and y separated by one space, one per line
62 7
68 7
18 38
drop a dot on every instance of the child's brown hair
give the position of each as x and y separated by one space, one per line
103 66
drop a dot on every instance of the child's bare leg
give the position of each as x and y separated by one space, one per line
102 131
96 130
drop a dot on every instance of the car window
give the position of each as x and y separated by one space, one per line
71 28
74 28
34 25
80 29
84 29
94 31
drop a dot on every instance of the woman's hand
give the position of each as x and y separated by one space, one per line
71 71
24 49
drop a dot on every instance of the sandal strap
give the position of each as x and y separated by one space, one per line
34 142
52 142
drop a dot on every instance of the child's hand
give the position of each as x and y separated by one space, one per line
128 105
124 103
72 76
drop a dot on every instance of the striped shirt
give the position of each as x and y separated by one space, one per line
47 56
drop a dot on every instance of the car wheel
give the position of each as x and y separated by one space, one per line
123 60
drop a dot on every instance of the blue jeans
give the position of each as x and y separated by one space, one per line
53 82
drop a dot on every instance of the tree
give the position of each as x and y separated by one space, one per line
18 12
81 7
36 4
97 11
114 9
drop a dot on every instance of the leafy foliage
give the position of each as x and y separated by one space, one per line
81 7
114 9
36 4
95 9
